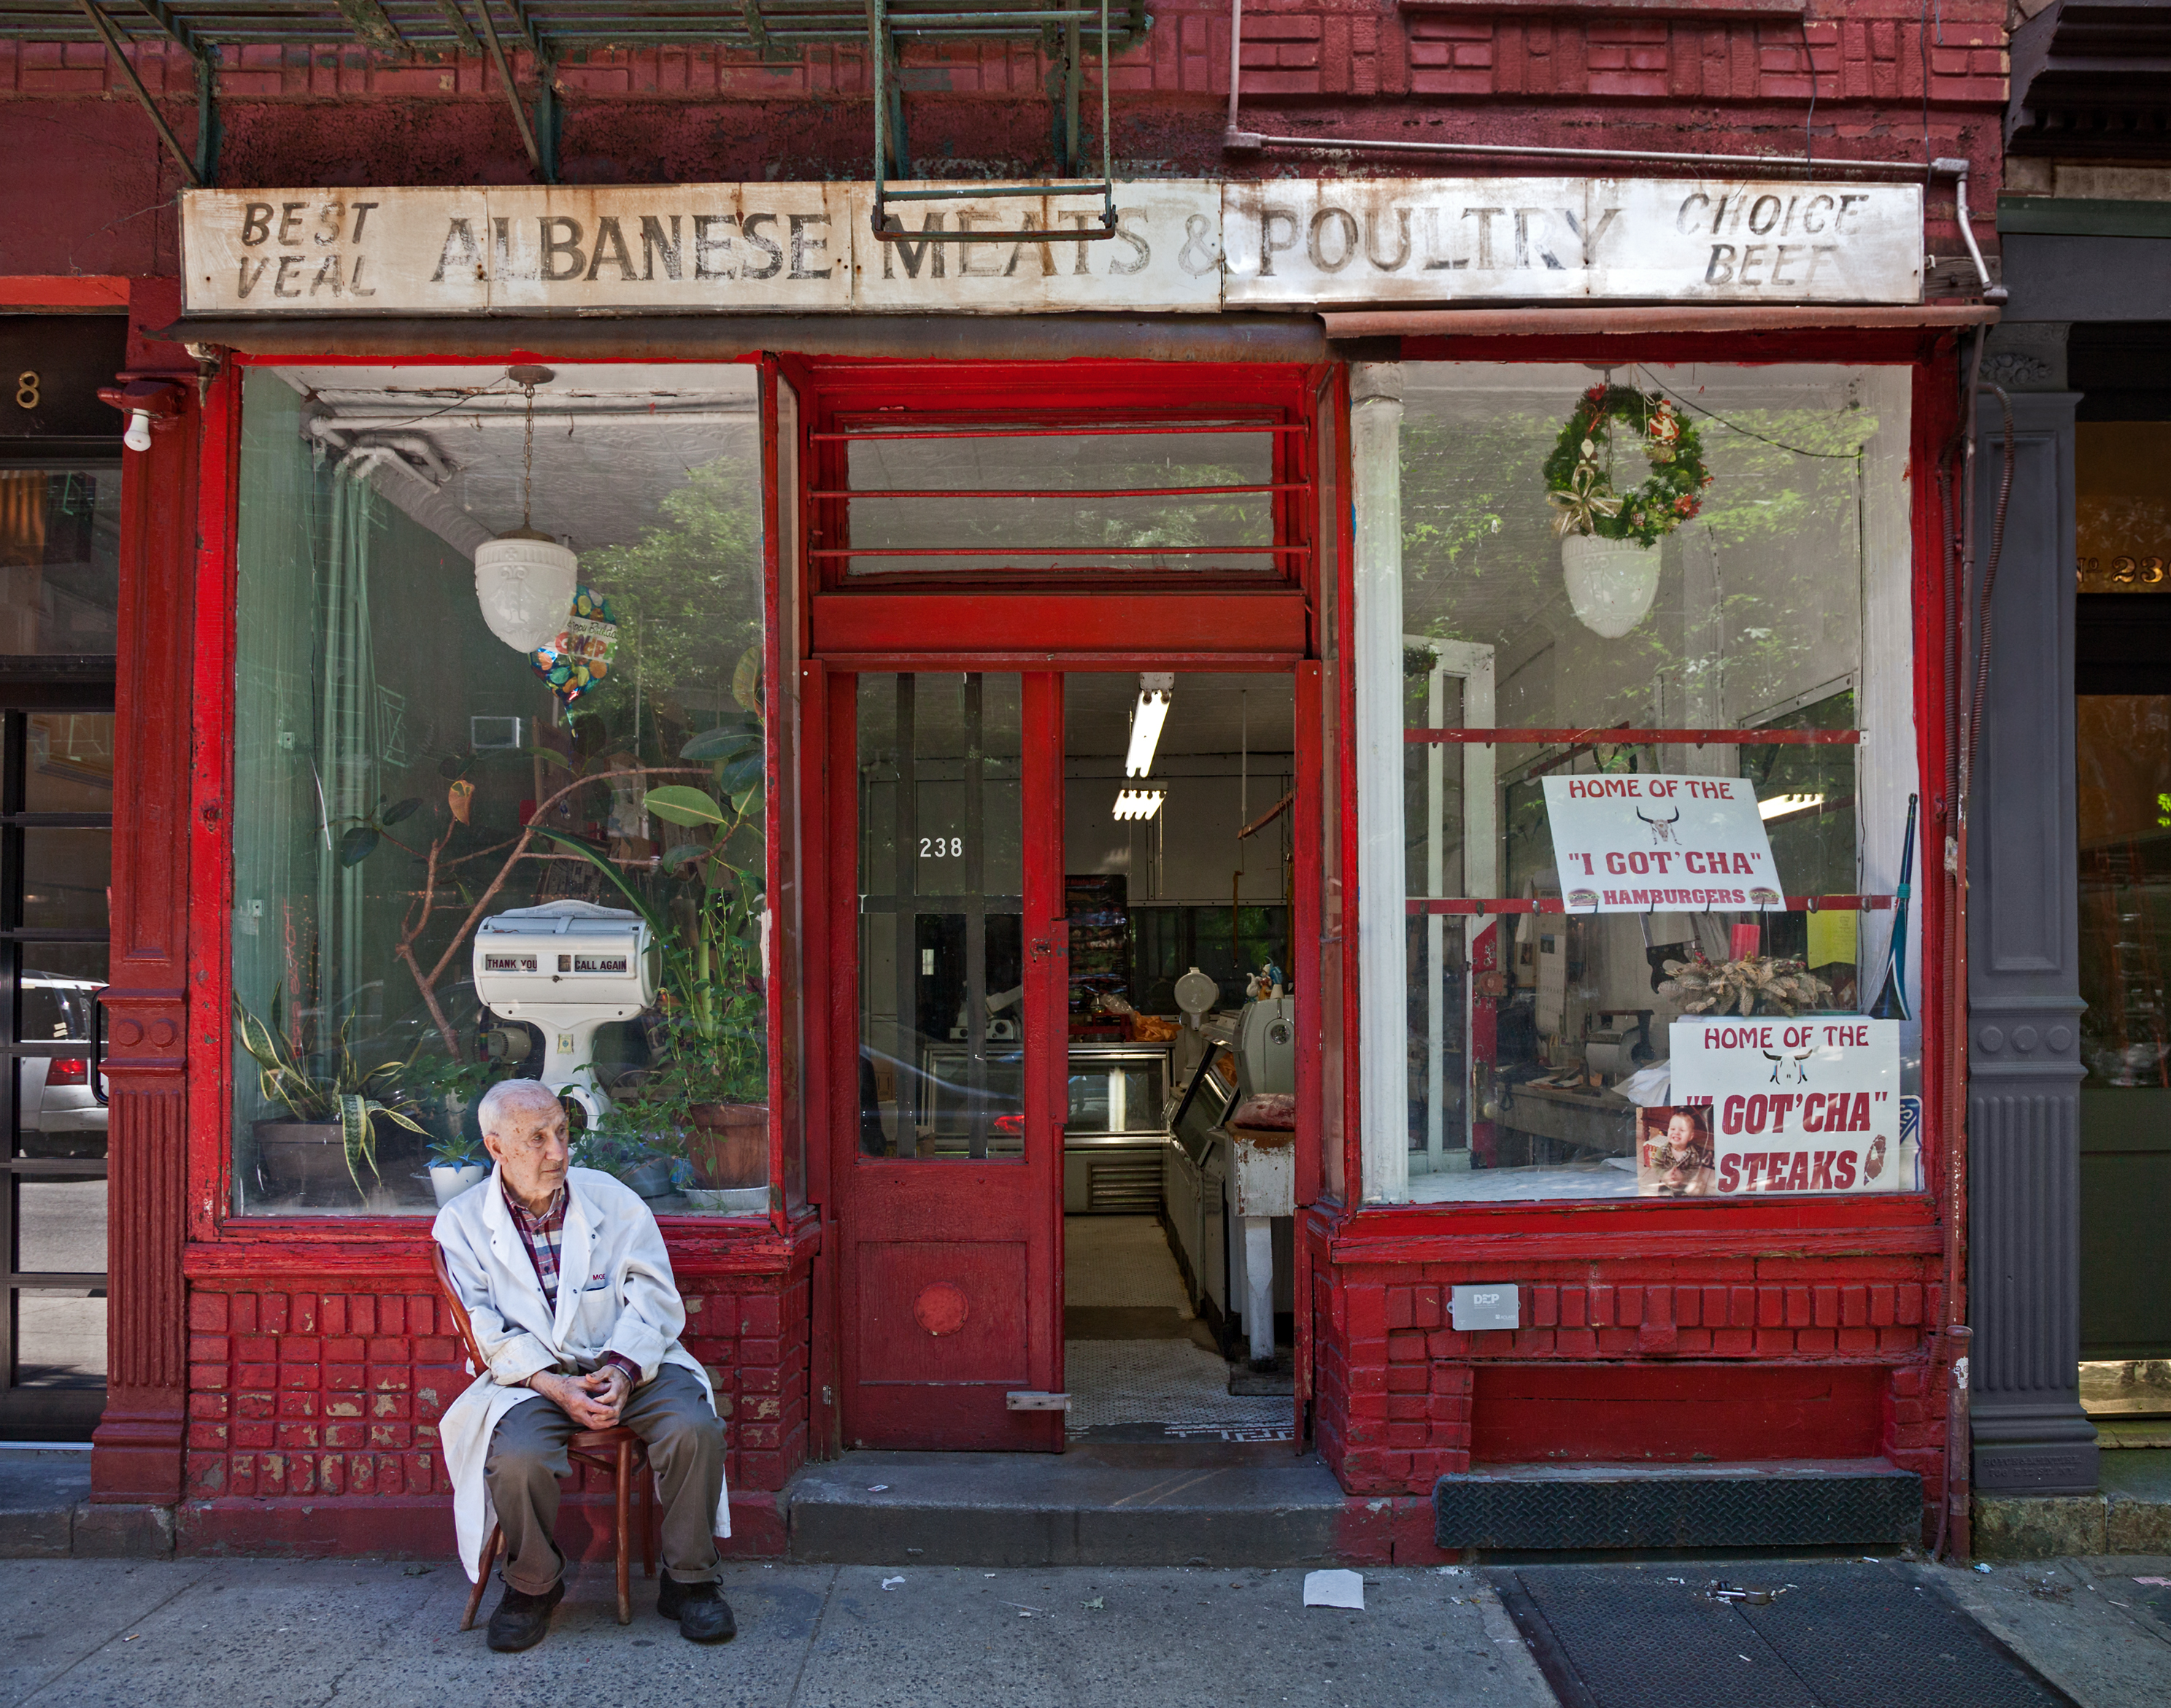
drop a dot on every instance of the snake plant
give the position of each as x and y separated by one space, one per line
325 1086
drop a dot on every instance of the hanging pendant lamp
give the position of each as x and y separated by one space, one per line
524 580
1611 583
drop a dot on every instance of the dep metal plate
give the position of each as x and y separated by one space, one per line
1806 1634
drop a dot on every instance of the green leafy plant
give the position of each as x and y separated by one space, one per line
619 1145
327 1085
711 1043
458 1150
362 836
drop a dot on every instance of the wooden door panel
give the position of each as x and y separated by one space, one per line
947 878
943 1311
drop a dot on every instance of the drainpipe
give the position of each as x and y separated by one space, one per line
1235 138
1958 171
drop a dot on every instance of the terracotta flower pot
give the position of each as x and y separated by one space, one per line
303 1158
729 1144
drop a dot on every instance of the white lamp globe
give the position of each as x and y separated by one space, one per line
525 582
1611 582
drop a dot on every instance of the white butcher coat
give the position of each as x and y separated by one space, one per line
615 1294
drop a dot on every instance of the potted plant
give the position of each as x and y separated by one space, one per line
641 1159
456 1164
332 1103
710 1078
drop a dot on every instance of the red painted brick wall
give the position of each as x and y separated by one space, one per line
319 1396
1451 71
1395 1383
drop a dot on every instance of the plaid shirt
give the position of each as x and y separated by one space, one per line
542 1235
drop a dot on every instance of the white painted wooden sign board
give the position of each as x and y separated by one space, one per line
1341 241
1640 842
1183 246
1805 1105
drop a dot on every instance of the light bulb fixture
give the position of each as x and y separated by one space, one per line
1611 582
1156 694
139 436
1132 804
1786 806
525 581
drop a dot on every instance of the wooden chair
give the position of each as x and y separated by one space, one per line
619 1452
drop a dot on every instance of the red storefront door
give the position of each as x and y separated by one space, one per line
948 994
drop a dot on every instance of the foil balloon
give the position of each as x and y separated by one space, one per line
580 657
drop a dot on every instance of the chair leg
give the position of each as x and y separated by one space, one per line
482 1578
624 1496
648 1521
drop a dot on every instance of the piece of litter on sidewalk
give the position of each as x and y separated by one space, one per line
876 1488
1982 1565
1027 1611
1334 1590
1095 1605
2159 1582
892 1583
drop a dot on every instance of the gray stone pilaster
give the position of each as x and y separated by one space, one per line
2023 990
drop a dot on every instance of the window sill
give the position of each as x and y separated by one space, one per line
1517 1234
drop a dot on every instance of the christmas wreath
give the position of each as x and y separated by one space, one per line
1579 472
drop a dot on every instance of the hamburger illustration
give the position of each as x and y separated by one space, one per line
1764 898
1582 898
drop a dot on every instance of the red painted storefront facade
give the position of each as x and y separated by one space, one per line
279 1381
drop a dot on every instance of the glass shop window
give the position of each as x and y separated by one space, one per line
499 714
1639 613
60 555
941 495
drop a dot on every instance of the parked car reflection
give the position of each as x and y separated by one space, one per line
58 1113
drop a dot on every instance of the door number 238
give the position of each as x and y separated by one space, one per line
942 848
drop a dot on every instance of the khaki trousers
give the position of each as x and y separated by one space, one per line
685 1445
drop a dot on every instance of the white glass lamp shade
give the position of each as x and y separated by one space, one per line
525 584
1611 582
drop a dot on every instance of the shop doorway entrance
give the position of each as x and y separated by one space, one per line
1036 1213
968 533
952 1003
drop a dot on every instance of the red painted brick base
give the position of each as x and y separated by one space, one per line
312 1414
1730 1358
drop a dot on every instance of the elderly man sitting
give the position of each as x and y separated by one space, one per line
566 1279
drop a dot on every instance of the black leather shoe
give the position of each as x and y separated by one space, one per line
523 1621
703 1615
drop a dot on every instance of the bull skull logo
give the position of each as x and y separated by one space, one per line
1662 829
1790 1066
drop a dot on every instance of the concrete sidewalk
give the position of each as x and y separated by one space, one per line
242 1633
256 1633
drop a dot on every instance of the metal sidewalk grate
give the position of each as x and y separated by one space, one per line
1831 1634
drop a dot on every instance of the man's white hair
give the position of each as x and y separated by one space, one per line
510 1094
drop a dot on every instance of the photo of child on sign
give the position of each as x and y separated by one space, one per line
1674 1153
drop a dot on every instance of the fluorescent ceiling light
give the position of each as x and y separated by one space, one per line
1138 803
1156 693
1779 805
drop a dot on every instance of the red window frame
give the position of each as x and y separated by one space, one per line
1896 1223
332 1240
869 399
